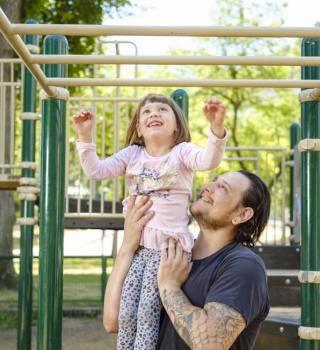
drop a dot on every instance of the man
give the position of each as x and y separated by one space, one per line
221 303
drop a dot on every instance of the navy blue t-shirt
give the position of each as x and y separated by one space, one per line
234 276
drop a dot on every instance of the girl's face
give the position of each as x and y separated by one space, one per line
157 121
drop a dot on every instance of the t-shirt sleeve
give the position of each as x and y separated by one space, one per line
207 158
242 285
97 169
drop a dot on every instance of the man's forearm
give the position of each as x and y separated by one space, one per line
214 327
188 320
114 288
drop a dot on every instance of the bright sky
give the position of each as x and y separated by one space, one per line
298 13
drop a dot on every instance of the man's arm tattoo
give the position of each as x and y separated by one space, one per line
216 326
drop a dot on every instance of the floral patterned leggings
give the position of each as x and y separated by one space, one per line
140 304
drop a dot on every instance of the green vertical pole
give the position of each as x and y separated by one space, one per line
310 202
294 139
181 98
52 206
104 277
103 267
27 207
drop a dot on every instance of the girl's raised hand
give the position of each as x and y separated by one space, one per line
83 121
214 110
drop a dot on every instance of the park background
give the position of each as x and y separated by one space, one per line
255 117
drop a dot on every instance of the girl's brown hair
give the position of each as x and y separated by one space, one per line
182 135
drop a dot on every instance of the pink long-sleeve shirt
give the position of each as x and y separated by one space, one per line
167 179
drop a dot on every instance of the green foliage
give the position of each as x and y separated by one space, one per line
8 320
76 12
255 117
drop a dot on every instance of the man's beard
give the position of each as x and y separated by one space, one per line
206 221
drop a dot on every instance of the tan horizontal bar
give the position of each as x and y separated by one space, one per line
10 83
10 60
9 166
185 82
20 48
253 148
205 31
178 60
93 215
22 165
105 99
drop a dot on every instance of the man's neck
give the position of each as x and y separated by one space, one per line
210 241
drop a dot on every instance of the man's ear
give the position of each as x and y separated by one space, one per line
245 215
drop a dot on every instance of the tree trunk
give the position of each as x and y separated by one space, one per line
8 277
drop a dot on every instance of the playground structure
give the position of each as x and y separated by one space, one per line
76 213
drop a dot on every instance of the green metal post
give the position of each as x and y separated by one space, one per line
294 139
104 277
103 267
310 202
27 207
52 206
181 98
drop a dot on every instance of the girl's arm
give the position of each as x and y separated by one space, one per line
93 167
137 216
96 169
208 158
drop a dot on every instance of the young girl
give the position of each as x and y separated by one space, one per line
158 161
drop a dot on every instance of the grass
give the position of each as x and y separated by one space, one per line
73 265
8 319
81 288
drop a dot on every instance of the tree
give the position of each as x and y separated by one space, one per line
255 117
75 12
252 104
45 11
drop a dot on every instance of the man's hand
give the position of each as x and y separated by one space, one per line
138 214
214 327
214 110
174 266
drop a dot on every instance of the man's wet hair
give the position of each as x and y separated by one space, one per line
257 197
